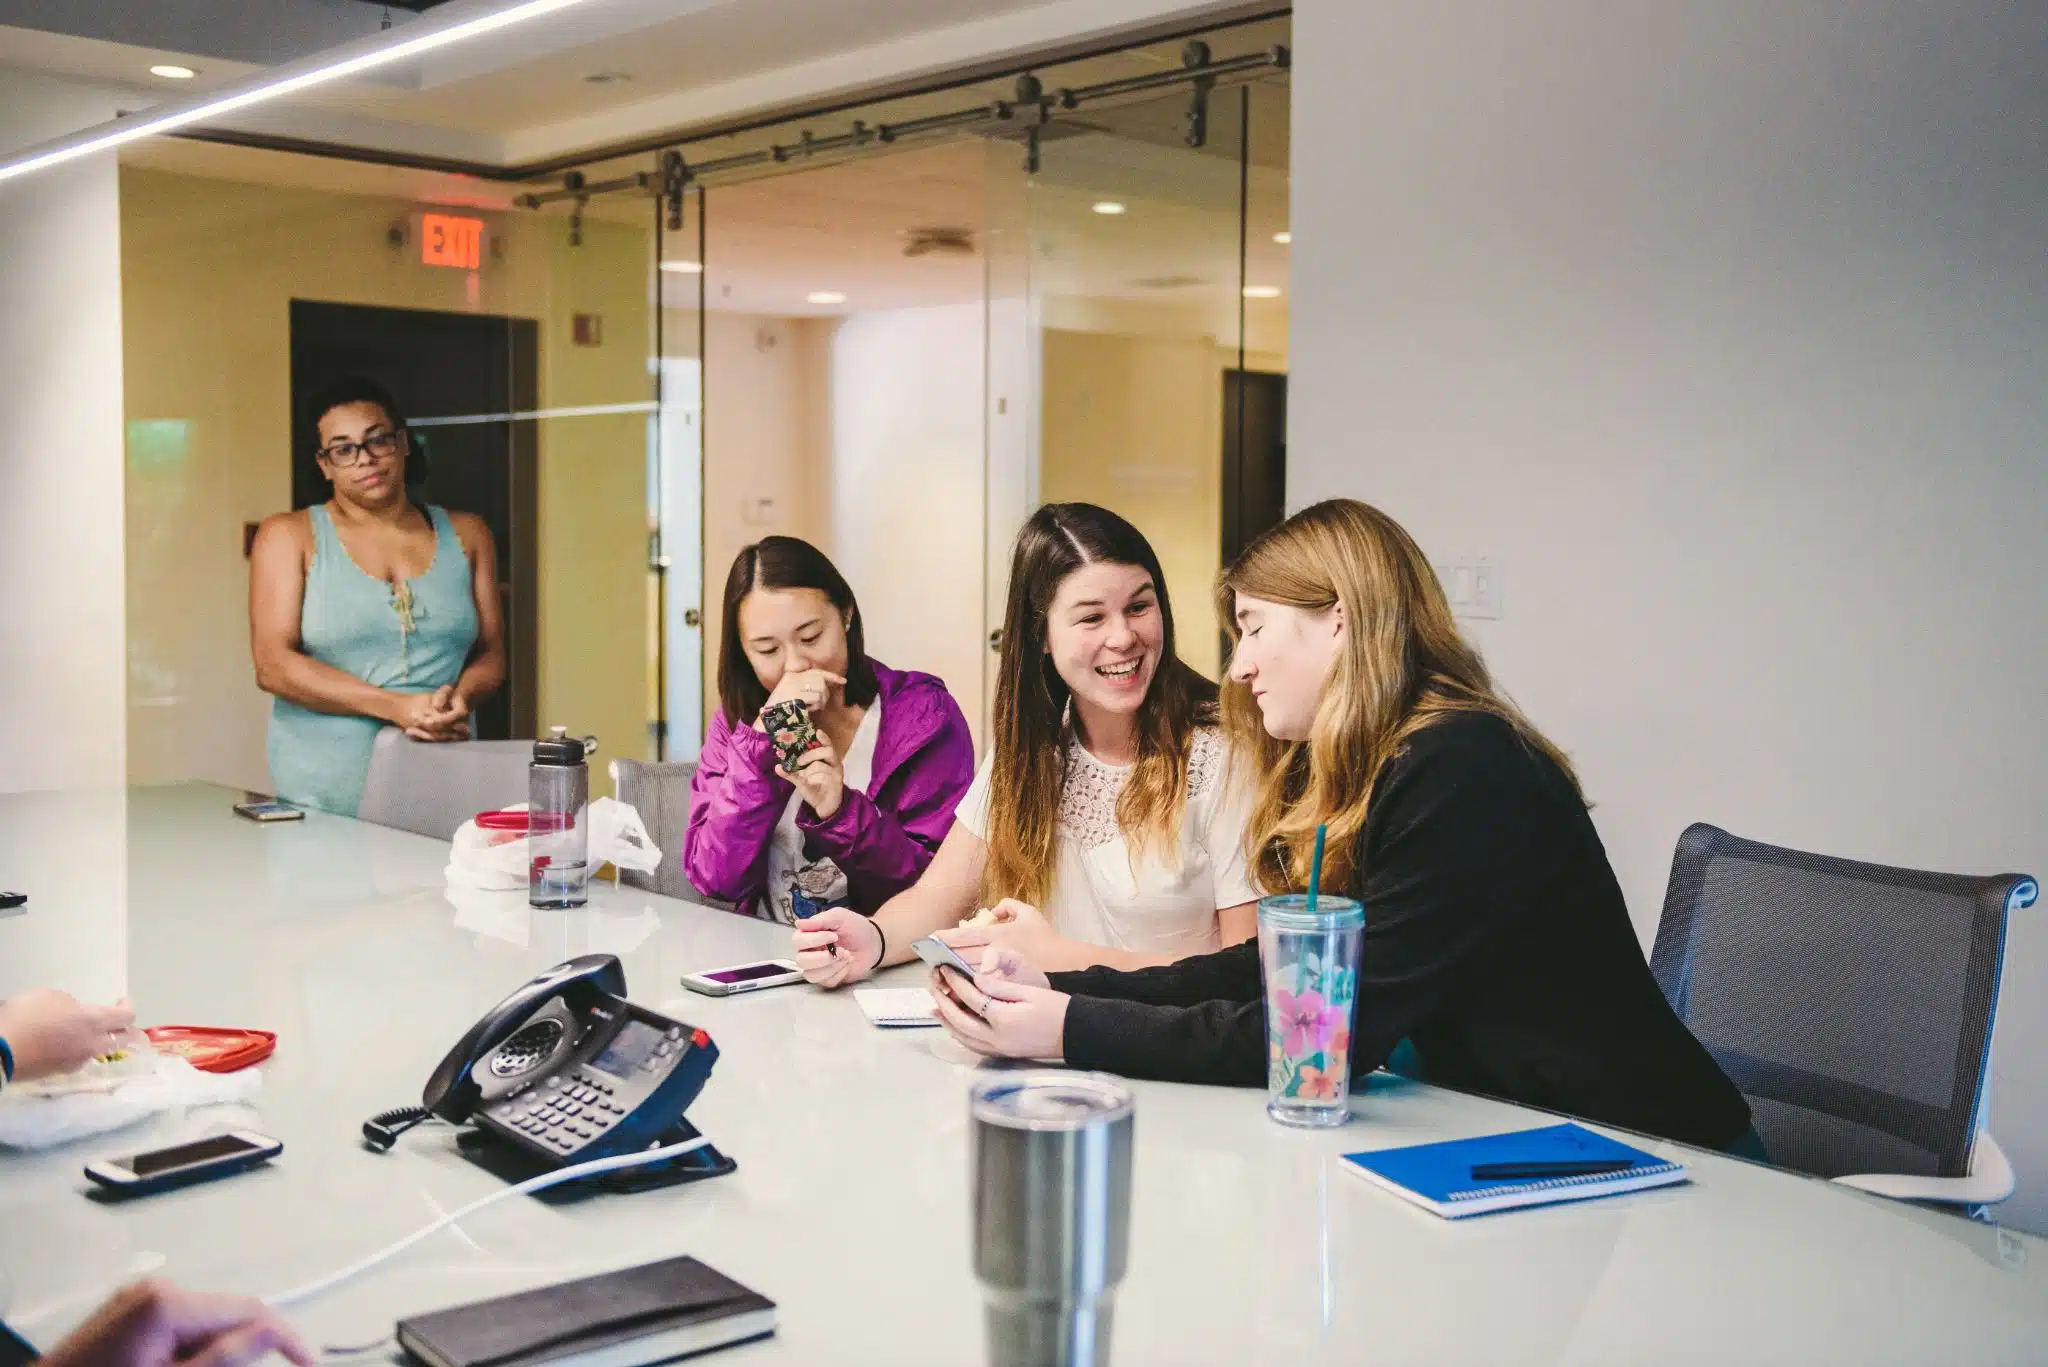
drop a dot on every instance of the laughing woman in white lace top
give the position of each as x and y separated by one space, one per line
1105 826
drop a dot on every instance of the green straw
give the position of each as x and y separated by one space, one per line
1315 869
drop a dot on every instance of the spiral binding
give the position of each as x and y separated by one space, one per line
1554 1183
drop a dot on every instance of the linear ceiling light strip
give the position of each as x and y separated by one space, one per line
366 54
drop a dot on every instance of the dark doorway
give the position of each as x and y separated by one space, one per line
1254 461
1254 456
439 366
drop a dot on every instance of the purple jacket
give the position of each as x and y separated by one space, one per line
881 839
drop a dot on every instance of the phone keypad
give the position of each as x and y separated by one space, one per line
566 1111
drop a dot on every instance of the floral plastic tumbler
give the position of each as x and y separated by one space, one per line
1310 959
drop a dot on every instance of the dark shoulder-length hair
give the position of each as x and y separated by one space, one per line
784 562
1029 767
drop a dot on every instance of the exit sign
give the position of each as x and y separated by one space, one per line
451 240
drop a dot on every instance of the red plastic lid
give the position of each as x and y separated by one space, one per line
212 1049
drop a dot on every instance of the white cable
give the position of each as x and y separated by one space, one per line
532 1184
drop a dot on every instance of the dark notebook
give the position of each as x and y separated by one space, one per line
656 1312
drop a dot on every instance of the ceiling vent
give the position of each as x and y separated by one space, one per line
938 242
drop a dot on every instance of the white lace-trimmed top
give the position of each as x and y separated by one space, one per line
1156 908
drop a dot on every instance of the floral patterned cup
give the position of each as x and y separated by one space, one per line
1311 967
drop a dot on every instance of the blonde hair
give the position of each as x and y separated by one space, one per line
1402 666
1028 773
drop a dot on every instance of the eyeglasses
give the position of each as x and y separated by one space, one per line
347 454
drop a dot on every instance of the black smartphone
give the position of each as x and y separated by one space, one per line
264 807
139 1174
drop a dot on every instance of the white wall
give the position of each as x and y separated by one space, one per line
765 391
62 654
907 487
1725 326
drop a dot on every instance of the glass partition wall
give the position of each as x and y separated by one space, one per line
896 351
517 344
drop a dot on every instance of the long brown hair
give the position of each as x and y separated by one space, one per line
1029 771
1402 667
784 562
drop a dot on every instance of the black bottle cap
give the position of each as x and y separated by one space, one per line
560 749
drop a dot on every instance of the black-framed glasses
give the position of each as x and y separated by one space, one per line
345 454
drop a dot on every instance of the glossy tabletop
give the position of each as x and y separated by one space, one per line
849 1208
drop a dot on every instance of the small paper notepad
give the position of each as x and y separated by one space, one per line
897 1006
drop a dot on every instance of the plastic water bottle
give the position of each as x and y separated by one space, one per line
557 820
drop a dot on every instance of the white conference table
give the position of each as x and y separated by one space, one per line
849 1207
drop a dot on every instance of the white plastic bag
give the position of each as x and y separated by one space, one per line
33 1117
496 861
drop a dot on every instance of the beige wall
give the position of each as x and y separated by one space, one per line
209 268
1737 359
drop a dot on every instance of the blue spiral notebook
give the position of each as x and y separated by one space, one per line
1438 1177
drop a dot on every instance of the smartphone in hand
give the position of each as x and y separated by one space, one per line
941 955
791 731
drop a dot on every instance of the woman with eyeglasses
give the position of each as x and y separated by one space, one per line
369 610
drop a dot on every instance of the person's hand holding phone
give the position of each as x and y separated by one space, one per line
836 947
811 687
820 778
1008 1010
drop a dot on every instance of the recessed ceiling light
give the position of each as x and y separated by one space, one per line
825 297
1283 237
1262 291
1108 206
684 267
173 73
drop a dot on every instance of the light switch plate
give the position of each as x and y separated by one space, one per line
1473 584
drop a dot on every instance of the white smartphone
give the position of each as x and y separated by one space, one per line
724 982
204 1159
939 954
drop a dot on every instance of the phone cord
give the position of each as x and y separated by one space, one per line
547 1179
381 1130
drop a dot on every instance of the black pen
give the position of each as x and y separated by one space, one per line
1516 1172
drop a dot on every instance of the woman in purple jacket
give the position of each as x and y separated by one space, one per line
864 811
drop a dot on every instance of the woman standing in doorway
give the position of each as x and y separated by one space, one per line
369 610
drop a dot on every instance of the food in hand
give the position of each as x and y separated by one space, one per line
987 916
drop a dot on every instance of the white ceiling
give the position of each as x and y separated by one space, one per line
521 93
1169 263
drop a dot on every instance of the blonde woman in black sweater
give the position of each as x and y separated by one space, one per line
1496 941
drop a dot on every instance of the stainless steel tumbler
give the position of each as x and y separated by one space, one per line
1052 1213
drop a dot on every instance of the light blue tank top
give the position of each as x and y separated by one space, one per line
360 625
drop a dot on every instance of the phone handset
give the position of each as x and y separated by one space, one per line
452 1092
518 1029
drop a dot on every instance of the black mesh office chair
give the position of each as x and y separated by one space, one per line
1852 1004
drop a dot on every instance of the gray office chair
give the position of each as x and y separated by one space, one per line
1853 1005
661 794
431 788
